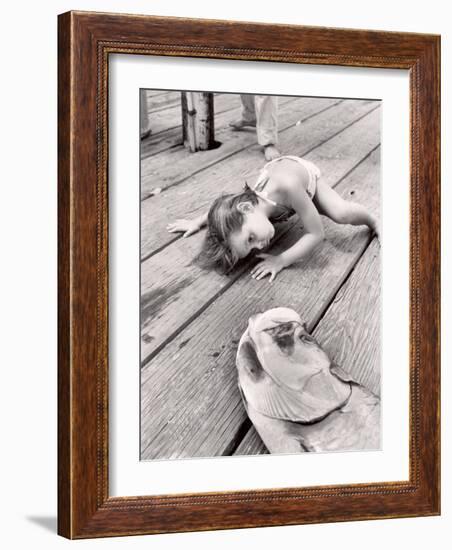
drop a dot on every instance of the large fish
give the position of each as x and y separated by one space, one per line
296 397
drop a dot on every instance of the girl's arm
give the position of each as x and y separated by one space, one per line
298 199
312 223
188 227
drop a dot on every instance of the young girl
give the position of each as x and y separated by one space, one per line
241 223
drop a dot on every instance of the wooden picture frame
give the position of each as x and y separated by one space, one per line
85 42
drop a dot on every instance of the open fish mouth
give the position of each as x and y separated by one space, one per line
272 319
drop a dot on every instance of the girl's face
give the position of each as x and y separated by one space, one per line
255 233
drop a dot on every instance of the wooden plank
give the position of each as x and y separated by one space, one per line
167 169
156 92
195 195
173 289
162 100
190 402
251 444
188 122
349 331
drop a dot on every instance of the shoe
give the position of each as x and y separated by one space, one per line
240 124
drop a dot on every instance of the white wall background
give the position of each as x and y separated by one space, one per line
28 234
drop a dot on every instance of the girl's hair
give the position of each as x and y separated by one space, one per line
223 219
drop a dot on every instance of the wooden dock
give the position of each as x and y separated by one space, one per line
191 321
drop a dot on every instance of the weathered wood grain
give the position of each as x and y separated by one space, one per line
251 444
156 92
171 168
195 194
173 289
190 402
349 331
350 328
162 100
198 124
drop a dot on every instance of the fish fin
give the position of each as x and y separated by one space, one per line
283 403
242 395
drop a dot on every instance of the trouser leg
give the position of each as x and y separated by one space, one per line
248 110
266 108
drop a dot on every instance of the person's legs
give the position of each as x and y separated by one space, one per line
331 204
266 108
248 113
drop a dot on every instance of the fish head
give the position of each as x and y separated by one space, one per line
285 348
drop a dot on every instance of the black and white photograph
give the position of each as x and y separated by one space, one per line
260 274
228 223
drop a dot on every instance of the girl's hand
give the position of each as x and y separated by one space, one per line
187 227
270 265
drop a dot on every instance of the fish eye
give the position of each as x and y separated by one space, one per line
251 238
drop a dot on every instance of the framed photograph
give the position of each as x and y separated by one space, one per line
248 283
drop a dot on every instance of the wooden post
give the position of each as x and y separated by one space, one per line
191 123
183 104
197 120
204 120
